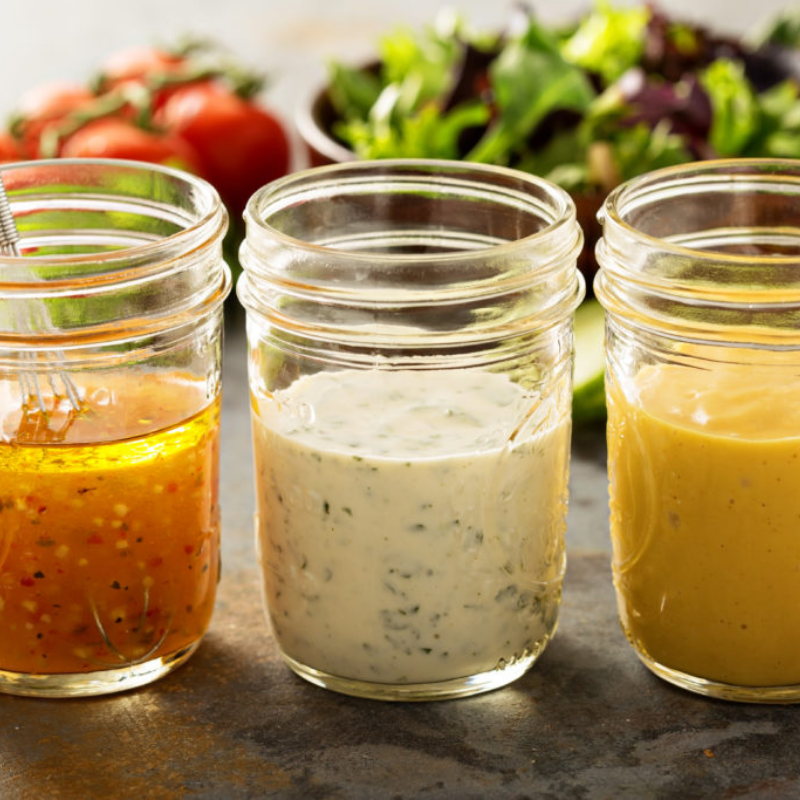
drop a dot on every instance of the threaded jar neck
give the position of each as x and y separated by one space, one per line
420 254
109 249
706 251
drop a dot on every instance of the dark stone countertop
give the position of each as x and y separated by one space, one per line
588 721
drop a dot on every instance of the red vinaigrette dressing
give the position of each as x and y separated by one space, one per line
109 525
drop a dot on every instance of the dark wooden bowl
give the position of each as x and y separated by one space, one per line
314 123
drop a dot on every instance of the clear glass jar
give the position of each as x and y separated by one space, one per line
410 338
110 345
700 281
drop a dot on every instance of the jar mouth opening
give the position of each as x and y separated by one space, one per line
114 253
550 210
108 248
630 217
411 251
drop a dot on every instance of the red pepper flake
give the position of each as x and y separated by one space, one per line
27 580
156 561
172 487
41 509
188 549
95 538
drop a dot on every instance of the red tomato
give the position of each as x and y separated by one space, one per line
241 146
137 64
114 137
44 106
9 148
53 100
140 66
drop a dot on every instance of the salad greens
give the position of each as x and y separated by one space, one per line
521 103
609 41
621 91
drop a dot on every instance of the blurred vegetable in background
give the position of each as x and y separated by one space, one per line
191 107
619 92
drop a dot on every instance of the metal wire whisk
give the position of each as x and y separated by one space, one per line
32 396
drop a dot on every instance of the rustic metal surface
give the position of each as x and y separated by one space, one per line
588 721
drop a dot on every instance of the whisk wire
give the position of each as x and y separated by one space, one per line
28 379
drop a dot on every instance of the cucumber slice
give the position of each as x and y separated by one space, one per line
589 397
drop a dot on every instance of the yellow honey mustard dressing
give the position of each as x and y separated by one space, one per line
704 470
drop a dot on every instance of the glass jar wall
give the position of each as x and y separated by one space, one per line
410 337
110 329
700 280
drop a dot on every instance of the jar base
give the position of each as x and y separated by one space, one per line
88 684
418 692
723 691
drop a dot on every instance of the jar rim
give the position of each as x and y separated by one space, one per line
390 244
564 214
110 248
707 251
683 178
211 216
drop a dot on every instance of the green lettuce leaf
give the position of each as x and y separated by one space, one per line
608 40
422 64
778 134
352 91
530 79
735 118
426 134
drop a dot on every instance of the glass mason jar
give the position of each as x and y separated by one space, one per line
110 328
410 338
700 281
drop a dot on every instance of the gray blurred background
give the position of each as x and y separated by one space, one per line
291 41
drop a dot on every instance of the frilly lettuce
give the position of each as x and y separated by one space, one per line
623 91
608 41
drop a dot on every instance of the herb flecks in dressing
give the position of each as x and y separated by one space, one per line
405 536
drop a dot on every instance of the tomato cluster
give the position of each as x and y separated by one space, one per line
189 109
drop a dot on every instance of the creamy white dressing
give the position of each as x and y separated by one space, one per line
411 523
